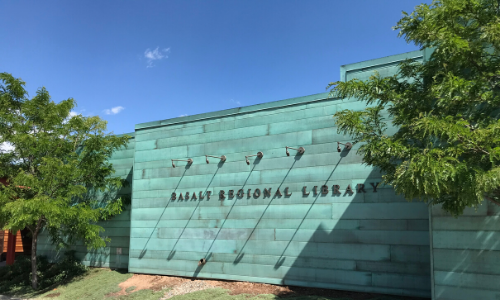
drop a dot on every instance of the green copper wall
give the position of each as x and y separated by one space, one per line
364 241
466 253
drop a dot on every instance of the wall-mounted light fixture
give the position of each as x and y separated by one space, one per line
347 145
300 150
222 158
189 160
259 155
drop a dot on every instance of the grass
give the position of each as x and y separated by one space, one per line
97 284
70 280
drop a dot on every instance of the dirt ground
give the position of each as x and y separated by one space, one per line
157 283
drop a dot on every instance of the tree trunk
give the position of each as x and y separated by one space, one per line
34 276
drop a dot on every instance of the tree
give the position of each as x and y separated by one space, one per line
57 169
446 109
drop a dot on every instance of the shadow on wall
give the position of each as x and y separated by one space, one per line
111 193
466 253
172 252
371 240
375 242
115 254
145 249
241 253
208 254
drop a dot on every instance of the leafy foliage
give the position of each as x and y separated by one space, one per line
56 164
447 146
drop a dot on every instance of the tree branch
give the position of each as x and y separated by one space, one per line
476 147
491 199
38 226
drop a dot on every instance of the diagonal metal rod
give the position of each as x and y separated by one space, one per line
282 256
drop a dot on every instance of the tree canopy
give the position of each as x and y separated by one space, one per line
446 109
57 169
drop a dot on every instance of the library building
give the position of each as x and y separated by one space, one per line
272 193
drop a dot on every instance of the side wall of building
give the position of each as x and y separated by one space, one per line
466 253
364 240
115 254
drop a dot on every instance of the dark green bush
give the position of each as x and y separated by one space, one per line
18 276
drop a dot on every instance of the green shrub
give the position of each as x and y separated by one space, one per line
18 276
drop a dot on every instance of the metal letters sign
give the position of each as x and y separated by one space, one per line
267 192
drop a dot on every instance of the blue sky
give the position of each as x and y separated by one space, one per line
138 61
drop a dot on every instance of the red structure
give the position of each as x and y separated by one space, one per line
10 244
11 248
